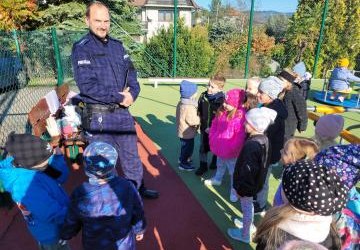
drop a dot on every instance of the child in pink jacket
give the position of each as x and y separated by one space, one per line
227 137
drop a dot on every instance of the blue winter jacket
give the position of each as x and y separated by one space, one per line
341 78
108 214
42 200
58 162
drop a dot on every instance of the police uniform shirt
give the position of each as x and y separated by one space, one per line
102 69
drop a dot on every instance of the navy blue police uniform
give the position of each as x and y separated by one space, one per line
102 69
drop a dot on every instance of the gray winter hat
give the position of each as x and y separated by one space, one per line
272 86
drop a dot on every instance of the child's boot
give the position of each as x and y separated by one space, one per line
237 234
213 162
202 169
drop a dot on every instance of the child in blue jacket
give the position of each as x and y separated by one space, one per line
107 208
41 200
27 149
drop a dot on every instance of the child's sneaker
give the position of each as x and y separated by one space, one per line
189 161
186 167
212 182
259 210
233 196
236 234
239 224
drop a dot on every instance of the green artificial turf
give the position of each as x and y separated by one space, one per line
155 111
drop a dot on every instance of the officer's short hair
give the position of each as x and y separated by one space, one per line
98 3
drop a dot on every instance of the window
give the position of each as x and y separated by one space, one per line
165 15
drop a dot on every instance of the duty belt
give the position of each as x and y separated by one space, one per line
103 108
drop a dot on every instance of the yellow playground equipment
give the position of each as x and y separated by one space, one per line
345 134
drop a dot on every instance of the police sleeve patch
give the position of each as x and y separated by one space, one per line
84 62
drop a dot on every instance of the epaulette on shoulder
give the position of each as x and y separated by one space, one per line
115 40
82 42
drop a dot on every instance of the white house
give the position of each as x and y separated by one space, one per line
160 13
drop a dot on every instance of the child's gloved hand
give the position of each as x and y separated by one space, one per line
139 237
52 127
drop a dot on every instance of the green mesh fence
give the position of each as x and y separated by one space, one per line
28 71
66 40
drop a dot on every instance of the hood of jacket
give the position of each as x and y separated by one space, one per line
9 174
279 107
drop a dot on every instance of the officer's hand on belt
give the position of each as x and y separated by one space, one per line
128 99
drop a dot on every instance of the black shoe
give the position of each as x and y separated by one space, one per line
213 162
186 167
149 193
259 210
202 169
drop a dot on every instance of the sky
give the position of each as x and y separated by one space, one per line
276 5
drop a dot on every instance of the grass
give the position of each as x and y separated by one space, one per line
155 111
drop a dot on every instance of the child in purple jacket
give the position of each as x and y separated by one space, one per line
108 208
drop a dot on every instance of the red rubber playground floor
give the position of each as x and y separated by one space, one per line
175 221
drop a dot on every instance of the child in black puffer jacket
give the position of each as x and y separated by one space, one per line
208 104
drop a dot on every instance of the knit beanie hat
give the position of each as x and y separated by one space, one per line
272 86
100 159
344 160
343 62
260 118
312 187
300 68
329 126
235 97
288 75
27 150
187 89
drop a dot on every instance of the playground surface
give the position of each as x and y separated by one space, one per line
190 216
155 112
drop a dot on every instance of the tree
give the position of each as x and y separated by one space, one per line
342 33
15 14
261 50
341 36
216 11
222 30
276 26
304 27
69 15
65 16
194 52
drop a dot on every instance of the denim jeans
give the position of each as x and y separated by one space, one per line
187 148
222 165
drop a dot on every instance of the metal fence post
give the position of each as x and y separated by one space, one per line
175 36
318 47
249 39
17 44
59 69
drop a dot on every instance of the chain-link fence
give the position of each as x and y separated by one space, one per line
28 71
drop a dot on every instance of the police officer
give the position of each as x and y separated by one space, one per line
108 85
